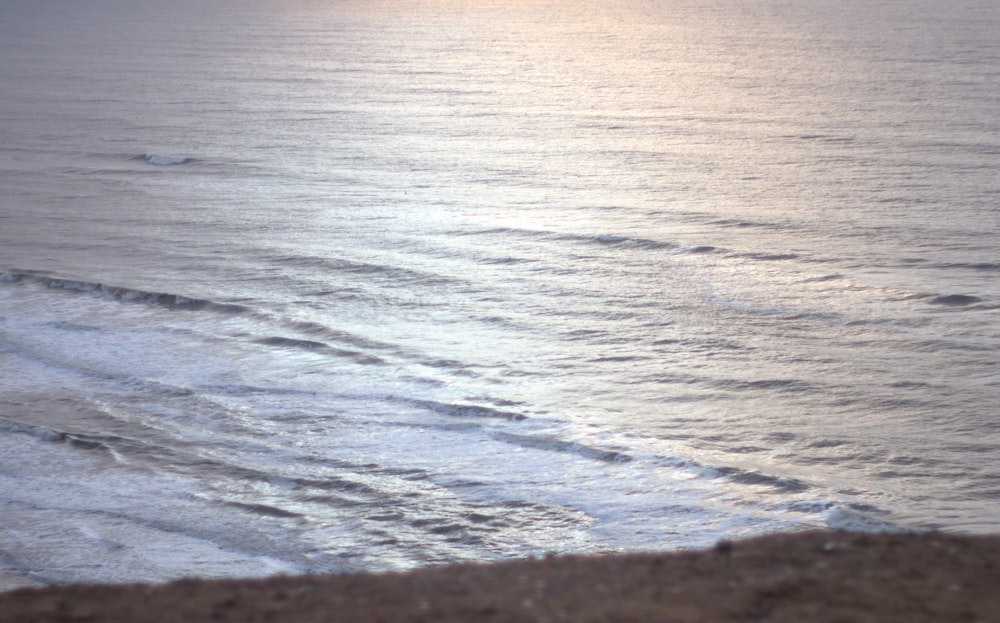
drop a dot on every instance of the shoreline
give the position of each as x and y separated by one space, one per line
804 576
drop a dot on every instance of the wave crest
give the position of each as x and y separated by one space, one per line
127 295
165 160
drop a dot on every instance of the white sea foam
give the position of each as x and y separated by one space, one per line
67 518
849 520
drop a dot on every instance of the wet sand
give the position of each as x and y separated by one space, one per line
809 576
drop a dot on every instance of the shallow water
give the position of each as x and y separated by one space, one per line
308 286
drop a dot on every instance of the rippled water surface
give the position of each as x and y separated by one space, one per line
320 286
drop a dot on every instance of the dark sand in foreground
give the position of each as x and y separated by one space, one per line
811 576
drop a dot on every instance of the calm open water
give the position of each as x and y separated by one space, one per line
307 286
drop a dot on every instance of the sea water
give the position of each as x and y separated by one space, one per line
301 286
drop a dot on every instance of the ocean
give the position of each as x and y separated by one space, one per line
310 286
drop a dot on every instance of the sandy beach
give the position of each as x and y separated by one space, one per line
808 576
